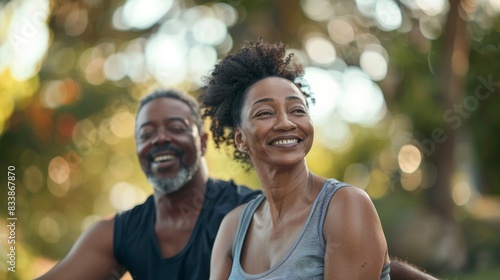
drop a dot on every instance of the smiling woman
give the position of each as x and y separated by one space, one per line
278 128
304 226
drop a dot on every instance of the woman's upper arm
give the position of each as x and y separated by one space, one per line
91 257
355 243
222 252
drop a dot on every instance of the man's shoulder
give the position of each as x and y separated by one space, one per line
221 197
228 190
138 212
229 186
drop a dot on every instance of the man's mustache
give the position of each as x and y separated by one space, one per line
164 148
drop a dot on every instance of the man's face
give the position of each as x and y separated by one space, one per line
169 145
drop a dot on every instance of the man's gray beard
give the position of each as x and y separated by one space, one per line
170 185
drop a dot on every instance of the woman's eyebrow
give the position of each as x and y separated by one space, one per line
268 99
263 100
292 97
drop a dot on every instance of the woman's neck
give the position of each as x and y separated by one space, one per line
287 189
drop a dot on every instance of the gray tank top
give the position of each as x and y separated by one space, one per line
305 259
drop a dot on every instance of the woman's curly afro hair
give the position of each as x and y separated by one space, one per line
223 95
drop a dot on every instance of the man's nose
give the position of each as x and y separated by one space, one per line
161 137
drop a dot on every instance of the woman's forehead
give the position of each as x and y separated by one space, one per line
273 87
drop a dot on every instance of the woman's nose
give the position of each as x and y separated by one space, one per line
284 123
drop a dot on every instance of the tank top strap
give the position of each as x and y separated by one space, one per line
330 187
244 223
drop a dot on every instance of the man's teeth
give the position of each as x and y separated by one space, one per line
287 141
163 158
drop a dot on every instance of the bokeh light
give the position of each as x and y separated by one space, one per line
337 135
122 124
165 57
409 158
116 67
461 193
341 31
326 91
57 93
431 28
432 7
76 22
319 10
53 227
33 178
320 50
410 182
59 170
374 62
27 38
366 7
387 160
136 61
226 13
201 60
124 195
210 31
362 101
142 14
495 5
388 15
351 93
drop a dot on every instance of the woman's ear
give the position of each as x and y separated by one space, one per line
239 140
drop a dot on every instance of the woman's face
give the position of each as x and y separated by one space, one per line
275 124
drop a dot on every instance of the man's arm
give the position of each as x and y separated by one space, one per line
90 258
401 270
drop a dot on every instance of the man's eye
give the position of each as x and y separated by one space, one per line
146 134
177 129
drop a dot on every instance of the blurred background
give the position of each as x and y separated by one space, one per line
406 92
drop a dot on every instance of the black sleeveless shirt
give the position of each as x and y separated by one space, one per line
136 247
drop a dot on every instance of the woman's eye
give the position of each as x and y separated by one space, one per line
265 113
299 110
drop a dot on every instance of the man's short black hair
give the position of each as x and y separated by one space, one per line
182 96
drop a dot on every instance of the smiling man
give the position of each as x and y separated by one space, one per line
171 234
